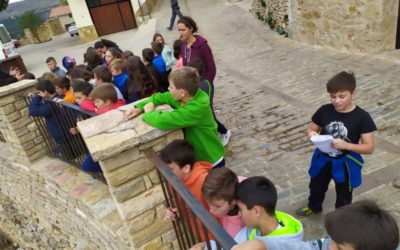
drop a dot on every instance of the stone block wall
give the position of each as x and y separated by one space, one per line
18 129
133 180
360 26
274 12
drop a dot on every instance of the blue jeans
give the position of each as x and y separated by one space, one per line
89 165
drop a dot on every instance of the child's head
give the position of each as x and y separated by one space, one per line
183 82
51 63
45 87
82 90
104 95
177 48
341 88
147 55
62 85
116 67
256 197
81 73
29 75
92 59
362 226
219 190
199 65
126 54
100 48
157 37
102 75
49 76
112 54
157 47
180 157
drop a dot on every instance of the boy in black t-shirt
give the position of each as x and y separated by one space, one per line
347 123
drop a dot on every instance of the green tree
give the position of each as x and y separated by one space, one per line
30 20
64 2
3 4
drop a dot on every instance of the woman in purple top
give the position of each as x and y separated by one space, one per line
195 46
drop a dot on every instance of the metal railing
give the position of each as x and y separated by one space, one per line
194 224
72 149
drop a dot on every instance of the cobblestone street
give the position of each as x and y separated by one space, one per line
268 87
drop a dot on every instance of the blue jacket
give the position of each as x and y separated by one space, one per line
350 164
159 63
121 81
40 108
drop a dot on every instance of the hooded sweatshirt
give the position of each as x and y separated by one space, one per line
194 117
200 49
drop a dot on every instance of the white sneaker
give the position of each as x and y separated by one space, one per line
225 137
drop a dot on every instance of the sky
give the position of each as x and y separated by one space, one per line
14 1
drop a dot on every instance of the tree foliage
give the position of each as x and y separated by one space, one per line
30 20
3 4
64 2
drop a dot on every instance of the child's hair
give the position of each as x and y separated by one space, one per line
92 59
139 79
105 92
185 78
189 22
199 65
341 82
157 47
81 86
257 191
156 35
81 73
126 54
45 85
148 55
103 73
49 76
219 184
177 48
363 225
62 83
50 59
117 64
115 52
29 75
179 152
106 43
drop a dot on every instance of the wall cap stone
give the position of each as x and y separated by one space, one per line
17 86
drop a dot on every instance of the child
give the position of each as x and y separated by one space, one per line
177 53
180 157
63 88
347 123
105 98
112 54
191 112
166 53
103 75
82 92
358 226
208 87
158 61
148 56
218 190
120 78
52 64
92 59
126 54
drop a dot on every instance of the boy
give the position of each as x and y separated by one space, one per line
191 112
158 61
82 92
103 75
208 87
347 123
120 78
358 226
105 98
64 89
52 65
147 58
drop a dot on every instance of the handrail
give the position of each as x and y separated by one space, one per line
209 222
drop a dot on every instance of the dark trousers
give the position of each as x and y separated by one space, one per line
319 185
221 128
175 12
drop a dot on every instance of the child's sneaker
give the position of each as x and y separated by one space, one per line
225 137
305 212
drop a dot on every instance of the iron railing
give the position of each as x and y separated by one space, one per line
187 228
72 149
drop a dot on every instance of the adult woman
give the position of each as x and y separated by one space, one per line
112 54
195 46
166 54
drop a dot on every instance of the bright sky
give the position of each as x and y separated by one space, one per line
13 1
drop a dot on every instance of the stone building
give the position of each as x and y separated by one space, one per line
361 26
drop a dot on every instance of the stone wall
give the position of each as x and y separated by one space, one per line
360 26
274 12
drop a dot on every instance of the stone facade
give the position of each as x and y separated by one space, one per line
87 34
133 180
274 12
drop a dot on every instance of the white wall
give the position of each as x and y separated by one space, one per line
80 13
65 20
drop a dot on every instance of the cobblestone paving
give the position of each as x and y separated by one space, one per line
267 88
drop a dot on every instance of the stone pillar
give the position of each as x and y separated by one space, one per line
19 130
132 179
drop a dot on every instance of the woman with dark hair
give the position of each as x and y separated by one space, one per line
140 83
112 54
195 46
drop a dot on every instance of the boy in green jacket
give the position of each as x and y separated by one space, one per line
191 112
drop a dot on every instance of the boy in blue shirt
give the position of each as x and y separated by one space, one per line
348 124
120 78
